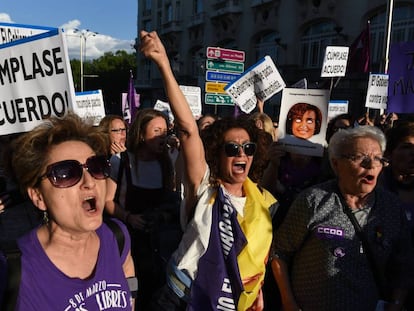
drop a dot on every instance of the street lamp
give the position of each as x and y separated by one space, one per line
83 35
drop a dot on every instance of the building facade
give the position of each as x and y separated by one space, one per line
293 32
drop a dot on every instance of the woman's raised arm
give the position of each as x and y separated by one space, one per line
191 145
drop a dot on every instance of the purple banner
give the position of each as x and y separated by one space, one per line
218 285
401 78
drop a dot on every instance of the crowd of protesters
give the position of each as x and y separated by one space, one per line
215 214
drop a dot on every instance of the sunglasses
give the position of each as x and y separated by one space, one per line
233 149
67 173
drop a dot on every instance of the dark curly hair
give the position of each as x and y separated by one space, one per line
213 140
397 134
298 110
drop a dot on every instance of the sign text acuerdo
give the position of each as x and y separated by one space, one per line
335 61
25 68
35 82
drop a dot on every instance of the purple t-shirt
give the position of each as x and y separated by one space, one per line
44 287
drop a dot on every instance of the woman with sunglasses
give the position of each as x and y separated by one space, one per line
71 261
220 262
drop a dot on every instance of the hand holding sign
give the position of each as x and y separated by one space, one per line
262 80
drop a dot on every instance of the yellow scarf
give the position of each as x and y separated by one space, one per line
257 228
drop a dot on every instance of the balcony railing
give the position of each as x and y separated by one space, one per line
197 19
171 26
226 7
255 3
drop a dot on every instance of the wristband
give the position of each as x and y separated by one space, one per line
133 286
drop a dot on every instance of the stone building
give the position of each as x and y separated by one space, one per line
293 32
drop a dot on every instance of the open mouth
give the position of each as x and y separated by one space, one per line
89 204
239 167
368 179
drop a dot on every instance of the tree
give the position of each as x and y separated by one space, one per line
112 71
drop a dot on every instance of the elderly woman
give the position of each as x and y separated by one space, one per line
220 262
320 261
304 120
72 261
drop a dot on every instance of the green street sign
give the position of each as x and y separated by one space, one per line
228 66
218 99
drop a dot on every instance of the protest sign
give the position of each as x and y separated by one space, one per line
90 105
193 96
13 32
262 80
377 92
303 120
335 61
35 81
165 108
401 78
337 107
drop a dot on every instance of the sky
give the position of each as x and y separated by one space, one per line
114 21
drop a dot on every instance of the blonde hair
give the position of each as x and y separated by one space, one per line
261 118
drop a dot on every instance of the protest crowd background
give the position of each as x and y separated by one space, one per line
333 192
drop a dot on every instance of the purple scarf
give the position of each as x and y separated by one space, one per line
218 285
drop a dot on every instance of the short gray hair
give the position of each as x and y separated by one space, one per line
342 138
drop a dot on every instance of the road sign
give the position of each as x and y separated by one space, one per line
218 99
227 66
221 76
226 54
215 87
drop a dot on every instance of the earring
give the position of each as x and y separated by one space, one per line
45 217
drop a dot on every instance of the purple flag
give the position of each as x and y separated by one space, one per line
359 53
401 78
236 112
131 108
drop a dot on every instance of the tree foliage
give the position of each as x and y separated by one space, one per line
112 73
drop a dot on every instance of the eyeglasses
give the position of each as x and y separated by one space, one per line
67 173
233 149
120 130
365 160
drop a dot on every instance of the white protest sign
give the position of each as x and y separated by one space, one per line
262 80
335 61
193 96
337 107
377 93
90 105
12 32
303 120
165 108
35 81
